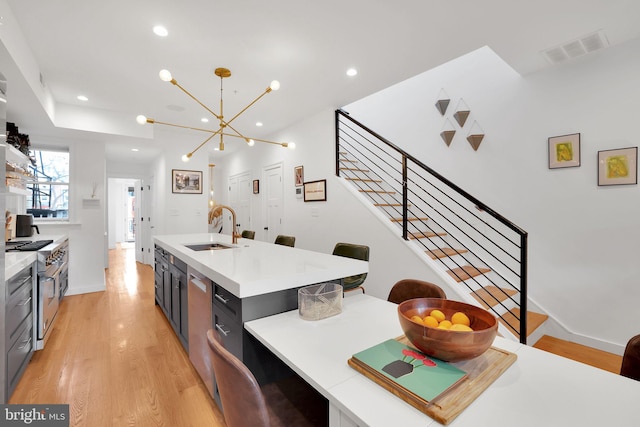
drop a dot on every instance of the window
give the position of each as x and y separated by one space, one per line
49 196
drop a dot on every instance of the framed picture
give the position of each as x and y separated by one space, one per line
186 182
618 167
298 173
564 151
315 191
256 186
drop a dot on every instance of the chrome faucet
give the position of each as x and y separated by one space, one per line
234 231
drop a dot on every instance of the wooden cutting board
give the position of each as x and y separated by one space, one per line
482 371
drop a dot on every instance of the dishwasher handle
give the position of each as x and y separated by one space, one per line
197 283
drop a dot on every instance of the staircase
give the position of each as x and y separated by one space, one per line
482 255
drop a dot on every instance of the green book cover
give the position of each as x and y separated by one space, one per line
424 376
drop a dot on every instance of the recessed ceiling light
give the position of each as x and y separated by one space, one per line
134 149
204 120
352 72
82 98
258 124
161 31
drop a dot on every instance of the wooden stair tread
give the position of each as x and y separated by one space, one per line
444 252
460 274
354 169
376 191
425 235
492 295
409 219
364 179
349 161
534 320
581 353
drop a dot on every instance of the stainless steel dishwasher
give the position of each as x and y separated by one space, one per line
199 323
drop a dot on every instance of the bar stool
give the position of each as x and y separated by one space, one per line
248 234
351 250
244 401
412 288
285 240
631 359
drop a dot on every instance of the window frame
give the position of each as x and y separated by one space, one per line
68 185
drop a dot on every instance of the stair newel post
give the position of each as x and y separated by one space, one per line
337 115
405 197
523 288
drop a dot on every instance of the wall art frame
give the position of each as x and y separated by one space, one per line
618 166
564 151
256 186
186 181
298 176
315 191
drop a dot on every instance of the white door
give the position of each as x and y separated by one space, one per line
274 201
138 221
240 202
144 201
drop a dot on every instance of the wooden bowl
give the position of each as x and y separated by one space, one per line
450 346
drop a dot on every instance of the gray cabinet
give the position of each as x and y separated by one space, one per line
19 325
179 315
228 316
171 292
161 264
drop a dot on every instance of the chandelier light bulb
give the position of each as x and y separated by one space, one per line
165 75
275 85
291 145
251 142
141 119
186 157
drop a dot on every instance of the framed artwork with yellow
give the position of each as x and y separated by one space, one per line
564 151
618 167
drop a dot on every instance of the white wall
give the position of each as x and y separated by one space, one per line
583 239
87 223
178 213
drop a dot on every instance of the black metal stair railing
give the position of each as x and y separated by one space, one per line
478 247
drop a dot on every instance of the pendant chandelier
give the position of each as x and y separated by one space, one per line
225 128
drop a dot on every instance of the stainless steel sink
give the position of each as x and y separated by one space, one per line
208 247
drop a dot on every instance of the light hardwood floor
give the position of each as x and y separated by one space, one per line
115 360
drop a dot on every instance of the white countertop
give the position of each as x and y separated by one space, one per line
254 268
14 262
539 389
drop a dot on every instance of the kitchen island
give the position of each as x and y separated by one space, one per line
252 267
204 281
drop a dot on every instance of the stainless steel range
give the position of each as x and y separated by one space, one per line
52 266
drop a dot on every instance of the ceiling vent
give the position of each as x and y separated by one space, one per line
576 48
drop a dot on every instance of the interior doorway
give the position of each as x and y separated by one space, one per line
273 200
122 211
129 206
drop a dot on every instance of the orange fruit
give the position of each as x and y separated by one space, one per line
460 318
417 319
437 314
460 327
430 321
445 324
